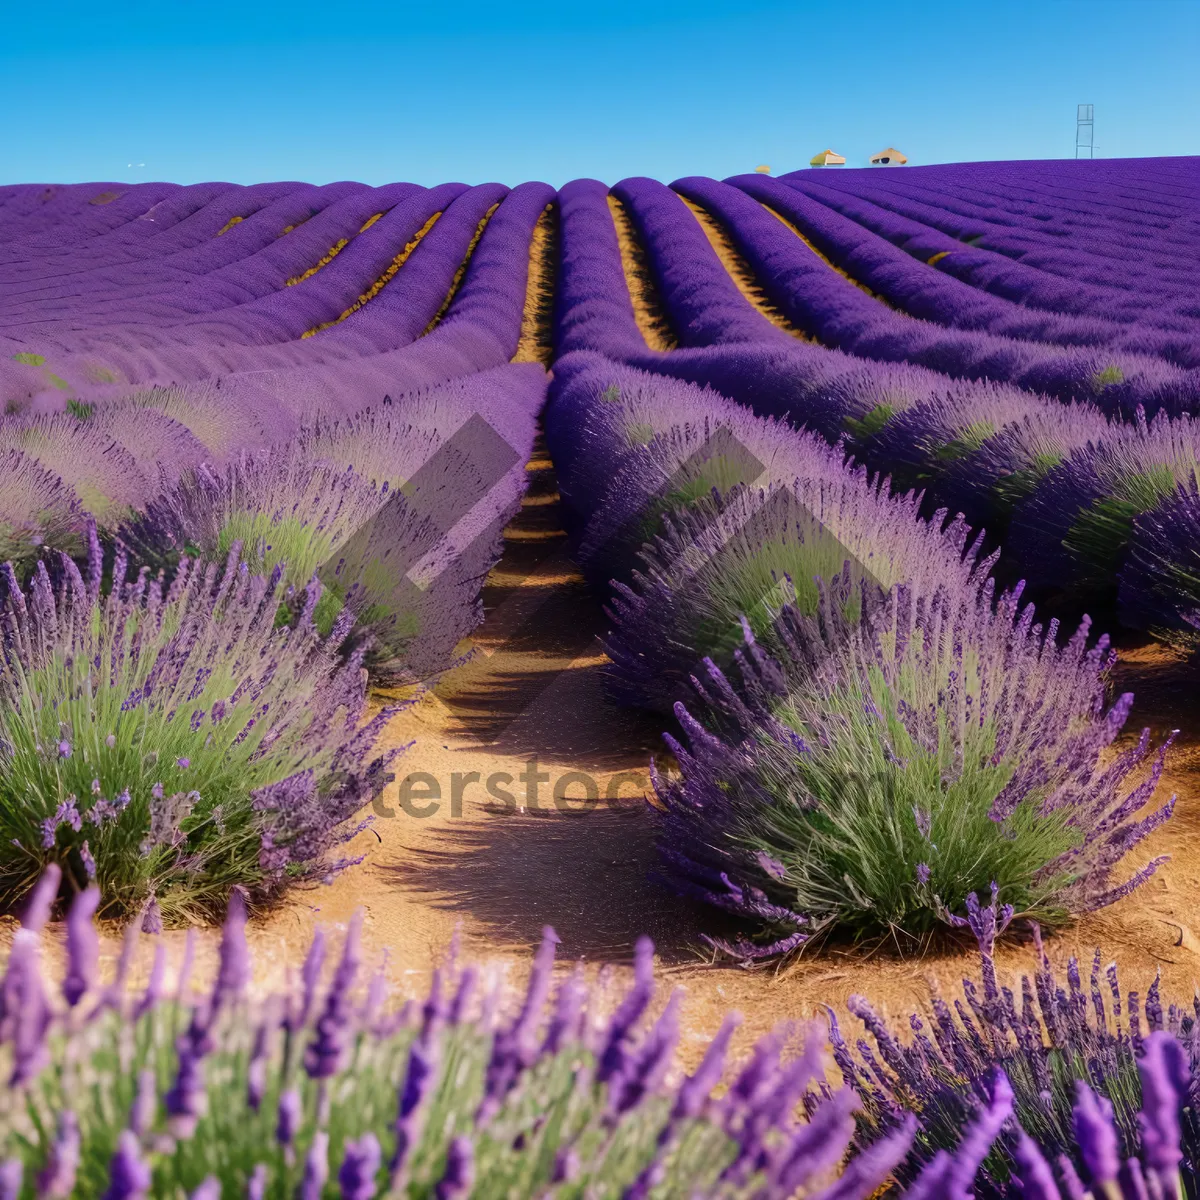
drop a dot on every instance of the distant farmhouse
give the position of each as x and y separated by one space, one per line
827 158
891 157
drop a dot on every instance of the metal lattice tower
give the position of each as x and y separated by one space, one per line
1084 127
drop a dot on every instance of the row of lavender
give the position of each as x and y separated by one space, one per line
203 281
331 1088
200 574
1084 504
1106 239
872 734
162 285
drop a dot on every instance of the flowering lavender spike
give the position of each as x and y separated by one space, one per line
1037 1180
152 917
26 1011
129 1176
697 1088
41 899
83 946
419 1079
310 974
978 1138
233 972
326 1053
515 1049
1166 1087
316 1168
288 1118
256 1185
209 1189
459 1176
144 1110
614 1053
12 1173
359 1168
56 1180
1095 1136
645 1072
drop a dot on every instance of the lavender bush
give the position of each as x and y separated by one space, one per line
169 742
875 774
1075 528
742 556
1160 582
36 509
330 1089
1091 1072
103 474
285 507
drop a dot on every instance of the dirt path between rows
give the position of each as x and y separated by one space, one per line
535 689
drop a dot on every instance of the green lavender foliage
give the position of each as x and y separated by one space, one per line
145 737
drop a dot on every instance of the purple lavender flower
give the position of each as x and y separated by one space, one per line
326 1053
25 1015
155 985
152 917
288 1118
359 1168
459 1176
145 1104
515 1049
614 1058
83 947
37 508
129 1177
209 1189
186 1101
288 796
12 1174
789 732
1096 1137
419 1078
646 1071
256 1186
696 1089
56 1180
1166 1086
234 971
1159 588
316 1167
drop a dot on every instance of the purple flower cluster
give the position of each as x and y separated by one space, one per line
1073 532
994 337
873 772
1072 1053
453 1098
1160 582
214 747
36 509
789 506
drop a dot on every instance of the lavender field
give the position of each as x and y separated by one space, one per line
801 571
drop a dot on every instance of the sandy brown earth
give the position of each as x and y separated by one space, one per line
534 690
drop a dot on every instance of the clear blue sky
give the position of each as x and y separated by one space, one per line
522 89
